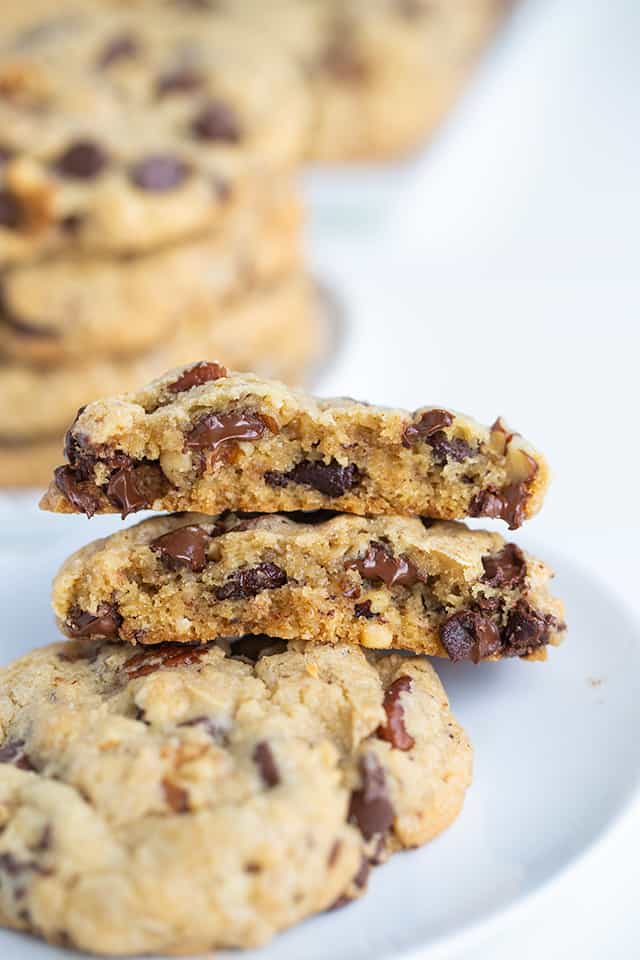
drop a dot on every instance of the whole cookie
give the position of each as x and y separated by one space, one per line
274 328
93 308
122 132
182 799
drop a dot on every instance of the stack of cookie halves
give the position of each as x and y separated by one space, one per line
227 728
148 214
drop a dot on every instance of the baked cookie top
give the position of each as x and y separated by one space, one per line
122 132
206 439
176 799
380 582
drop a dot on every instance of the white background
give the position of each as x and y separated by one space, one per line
499 274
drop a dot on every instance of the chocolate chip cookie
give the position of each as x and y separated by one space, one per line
177 799
93 308
272 327
383 582
123 132
380 74
205 439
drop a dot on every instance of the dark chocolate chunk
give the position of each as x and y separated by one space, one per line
126 492
526 630
83 160
186 546
217 121
181 80
506 568
14 867
446 449
370 807
331 478
360 879
379 564
508 503
429 423
266 763
27 331
163 655
125 46
342 59
177 797
82 495
105 622
11 213
250 649
394 730
159 172
216 729
469 635
363 610
251 581
12 751
195 376
214 429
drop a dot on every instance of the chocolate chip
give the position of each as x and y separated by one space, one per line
176 797
83 160
468 635
105 622
123 47
185 547
182 80
506 568
216 121
445 449
248 583
45 840
334 853
163 655
363 610
27 331
213 429
508 503
266 763
6 154
195 376
361 877
341 59
13 752
216 729
159 172
14 867
331 478
379 564
370 807
429 423
82 496
526 630
11 214
250 649
72 223
126 493
394 730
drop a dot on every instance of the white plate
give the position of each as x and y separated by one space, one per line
557 759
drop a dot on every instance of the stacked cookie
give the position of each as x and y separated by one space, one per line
227 725
380 74
148 214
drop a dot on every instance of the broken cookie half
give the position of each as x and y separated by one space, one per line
379 582
206 439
